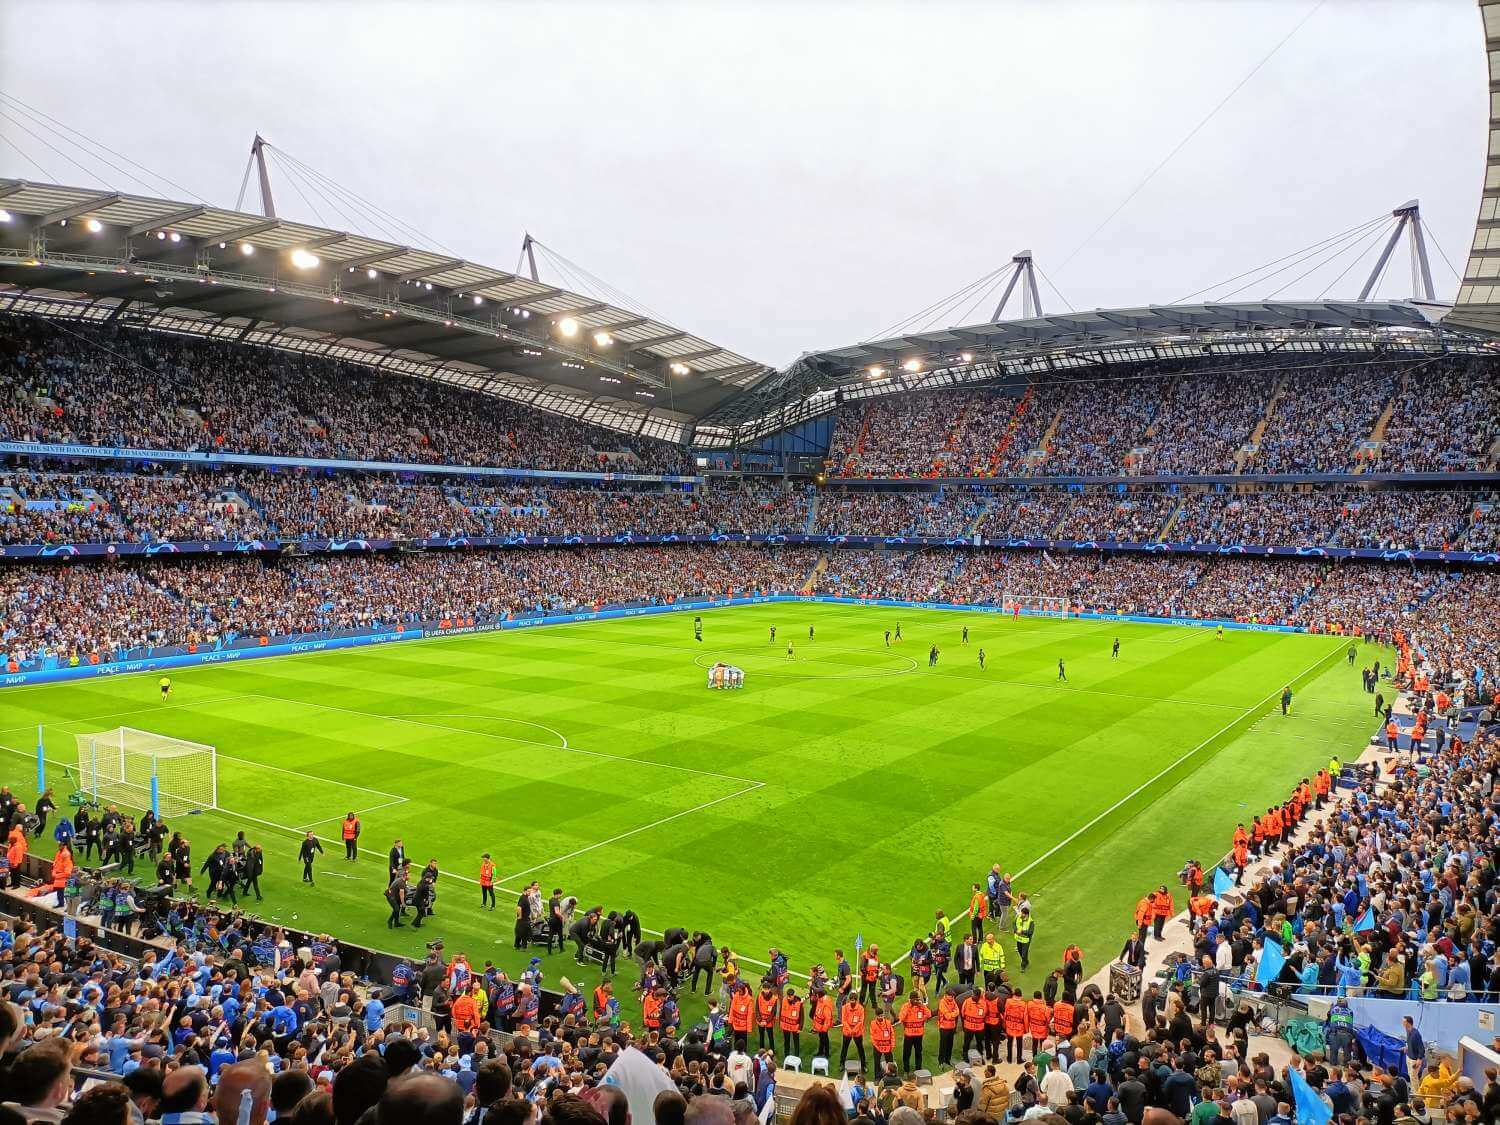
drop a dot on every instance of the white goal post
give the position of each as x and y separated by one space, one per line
144 770
1042 605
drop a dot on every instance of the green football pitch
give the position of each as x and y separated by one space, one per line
850 790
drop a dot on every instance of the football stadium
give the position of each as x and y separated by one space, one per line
433 691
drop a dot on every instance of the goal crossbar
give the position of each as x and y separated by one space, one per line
147 770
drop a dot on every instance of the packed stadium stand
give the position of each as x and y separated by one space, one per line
184 477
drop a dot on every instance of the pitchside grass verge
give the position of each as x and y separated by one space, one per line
850 790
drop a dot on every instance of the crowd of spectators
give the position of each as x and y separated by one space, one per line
121 387
70 612
1180 418
57 507
947 512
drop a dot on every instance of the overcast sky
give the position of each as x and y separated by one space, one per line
783 177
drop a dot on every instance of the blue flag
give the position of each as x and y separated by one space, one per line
1271 961
859 943
1222 882
1366 920
1311 1109
70 927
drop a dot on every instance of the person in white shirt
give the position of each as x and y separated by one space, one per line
1057 1085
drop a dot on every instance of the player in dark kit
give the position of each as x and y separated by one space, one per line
697 628
887 638
898 630
1062 673
981 660
1114 651
809 632
966 634
773 634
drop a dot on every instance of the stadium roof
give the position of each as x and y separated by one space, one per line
1044 345
104 255
1478 304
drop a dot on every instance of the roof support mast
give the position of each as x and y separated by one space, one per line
258 162
1408 219
1024 271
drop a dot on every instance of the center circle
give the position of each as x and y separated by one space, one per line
811 663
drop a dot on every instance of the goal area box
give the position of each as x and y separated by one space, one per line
145 770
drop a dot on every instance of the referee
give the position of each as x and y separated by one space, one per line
310 847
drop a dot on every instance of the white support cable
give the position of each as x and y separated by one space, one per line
151 188
1337 245
1328 260
334 185
1439 246
983 299
1193 132
311 206
1382 217
89 172
363 221
1359 256
602 288
37 113
1054 288
950 300
26 156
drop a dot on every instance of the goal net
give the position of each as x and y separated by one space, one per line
1043 605
148 771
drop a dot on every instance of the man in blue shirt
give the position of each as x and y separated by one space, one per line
1416 1051
374 1014
117 1047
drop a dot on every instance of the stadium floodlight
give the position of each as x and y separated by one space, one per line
161 236
603 339
967 357
176 237
305 259
246 249
478 300
875 371
4 215
913 365
568 326
680 369
94 226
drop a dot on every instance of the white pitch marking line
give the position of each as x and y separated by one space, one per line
563 739
511 738
635 831
357 812
1055 848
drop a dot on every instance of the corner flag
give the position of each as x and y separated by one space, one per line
1222 882
1271 961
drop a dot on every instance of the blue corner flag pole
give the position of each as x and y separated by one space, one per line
41 762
